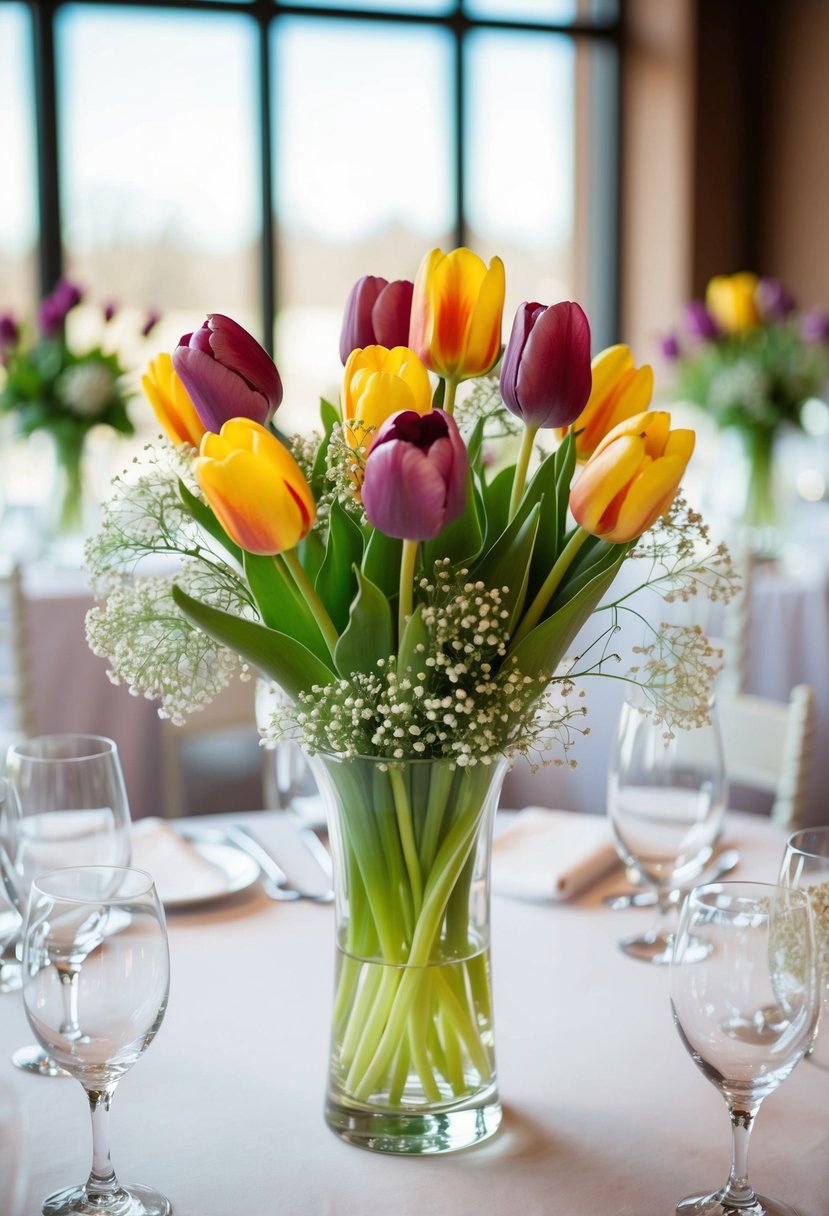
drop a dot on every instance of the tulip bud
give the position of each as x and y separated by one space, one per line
377 313
171 405
416 475
227 373
699 322
255 487
632 477
378 383
51 316
774 301
732 301
669 345
545 374
9 330
814 326
619 390
457 309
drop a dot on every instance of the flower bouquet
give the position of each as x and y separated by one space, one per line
412 577
45 384
750 361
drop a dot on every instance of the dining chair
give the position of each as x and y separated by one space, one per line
767 746
16 696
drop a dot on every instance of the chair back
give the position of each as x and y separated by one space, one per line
16 696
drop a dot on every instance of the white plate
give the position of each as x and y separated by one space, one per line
238 872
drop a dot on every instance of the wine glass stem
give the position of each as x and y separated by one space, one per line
102 1182
663 911
69 1027
738 1189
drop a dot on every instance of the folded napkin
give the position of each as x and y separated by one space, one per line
551 854
179 870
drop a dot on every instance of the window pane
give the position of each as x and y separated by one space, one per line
363 167
557 12
385 6
18 201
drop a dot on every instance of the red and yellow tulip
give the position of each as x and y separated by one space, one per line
619 391
171 403
377 383
457 310
632 477
733 302
255 487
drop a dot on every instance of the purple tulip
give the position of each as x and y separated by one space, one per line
699 322
774 301
814 326
377 313
227 374
416 475
669 344
51 315
9 330
150 321
545 375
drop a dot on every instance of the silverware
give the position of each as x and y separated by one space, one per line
274 879
722 864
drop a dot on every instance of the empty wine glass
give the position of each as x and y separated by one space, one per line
666 799
746 1013
11 901
806 865
73 810
101 931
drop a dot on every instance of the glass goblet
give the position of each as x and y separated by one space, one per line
745 1013
73 810
806 865
11 901
102 930
666 798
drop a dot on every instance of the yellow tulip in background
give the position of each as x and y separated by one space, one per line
632 477
255 487
171 404
732 301
377 383
619 391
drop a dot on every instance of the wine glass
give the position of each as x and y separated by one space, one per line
806 865
666 799
100 931
73 810
11 900
746 1013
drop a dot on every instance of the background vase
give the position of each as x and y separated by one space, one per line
412 1066
68 516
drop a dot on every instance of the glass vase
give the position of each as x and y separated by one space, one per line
68 505
759 517
412 1066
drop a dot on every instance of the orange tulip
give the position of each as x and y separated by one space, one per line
457 310
377 383
619 391
255 487
171 404
632 477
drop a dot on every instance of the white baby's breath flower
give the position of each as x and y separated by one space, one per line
86 389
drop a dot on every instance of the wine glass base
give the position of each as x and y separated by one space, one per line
658 948
127 1201
35 1059
715 1205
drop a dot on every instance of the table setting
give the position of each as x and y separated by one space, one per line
428 976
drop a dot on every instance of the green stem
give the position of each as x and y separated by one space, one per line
327 627
404 824
406 600
449 396
522 464
549 587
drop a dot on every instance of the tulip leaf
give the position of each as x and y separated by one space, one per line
507 564
440 395
330 419
281 604
475 444
381 562
565 467
594 557
409 658
335 583
205 518
369 634
311 552
329 415
275 654
462 540
496 496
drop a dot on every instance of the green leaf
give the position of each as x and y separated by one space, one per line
329 415
595 557
205 518
507 564
414 635
369 634
475 444
381 562
275 654
330 419
440 395
496 496
463 539
281 604
311 553
565 467
336 584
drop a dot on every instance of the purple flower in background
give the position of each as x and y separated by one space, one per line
51 315
227 374
814 326
377 313
545 373
152 319
9 330
699 322
416 475
110 310
669 344
774 301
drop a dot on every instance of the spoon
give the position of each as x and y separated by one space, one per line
724 863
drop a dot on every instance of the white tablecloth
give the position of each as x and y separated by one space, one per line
604 1111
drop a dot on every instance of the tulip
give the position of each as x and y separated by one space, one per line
109 311
732 301
53 310
669 345
619 391
254 487
150 321
378 383
377 313
416 475
545 375
227 373
774 301
457 309
814 326
699 322
9 330
632 477
171 405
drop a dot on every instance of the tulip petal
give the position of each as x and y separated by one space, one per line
421 325
554 378
605 475
649 496
483 339
358 327
391 313
405 494
235 348
217 393
255 508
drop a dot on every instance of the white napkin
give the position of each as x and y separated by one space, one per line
551 854
180 872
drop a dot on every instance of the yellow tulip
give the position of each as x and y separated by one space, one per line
632 477
732 301
255 487
171 404
457 310
377 383
619 391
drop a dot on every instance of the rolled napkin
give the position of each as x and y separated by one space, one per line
180 872
547 854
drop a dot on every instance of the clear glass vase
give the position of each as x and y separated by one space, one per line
412 1066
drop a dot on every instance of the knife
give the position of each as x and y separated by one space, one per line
274 878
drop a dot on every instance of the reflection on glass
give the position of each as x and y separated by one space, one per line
18 205
363 186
